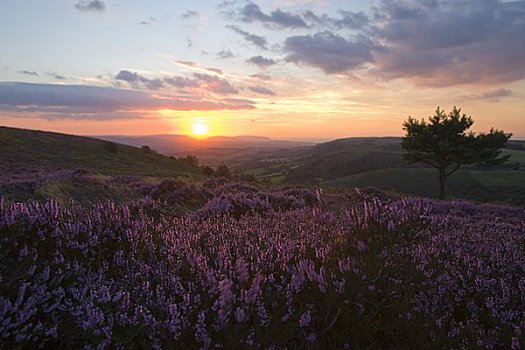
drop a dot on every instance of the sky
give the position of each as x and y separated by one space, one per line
287 69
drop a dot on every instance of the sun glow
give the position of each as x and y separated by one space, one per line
199 129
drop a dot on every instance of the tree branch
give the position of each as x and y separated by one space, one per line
454 170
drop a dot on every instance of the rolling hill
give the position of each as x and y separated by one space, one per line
378 162
28 152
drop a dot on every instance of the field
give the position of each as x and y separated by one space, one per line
262 269
378 162
504 186
99 250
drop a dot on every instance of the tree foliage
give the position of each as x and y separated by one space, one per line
445 143
223 171
207 171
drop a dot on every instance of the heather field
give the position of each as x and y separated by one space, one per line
246 268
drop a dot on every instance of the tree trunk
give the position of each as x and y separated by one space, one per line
442 183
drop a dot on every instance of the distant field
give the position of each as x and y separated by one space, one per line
516 156
479 185
412 181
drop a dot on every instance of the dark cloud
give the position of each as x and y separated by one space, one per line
190 14
490 95
91 100
347 20
308 19
137 81
431 43
186 63
181 82
252 13
262 90
261 61
204 82
261 76
256 40
215 70
330 52
225 53
56 76
215 84
147 22
29 72
351 20
90 6
441 43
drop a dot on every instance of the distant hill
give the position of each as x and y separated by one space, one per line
181 145
232 150
378 162
28 152
343 157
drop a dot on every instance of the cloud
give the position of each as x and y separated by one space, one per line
225 53
215 70
261 61
489 95
29 72
261 76
330 52
262 90
215 84
56 76
190 14
252 13
351 20
63 100
186 63
442 43
90 6
205 82
147 22
136 80
256 40
347 20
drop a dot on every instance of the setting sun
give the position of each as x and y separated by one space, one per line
199 129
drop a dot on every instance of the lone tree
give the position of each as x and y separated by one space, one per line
445 143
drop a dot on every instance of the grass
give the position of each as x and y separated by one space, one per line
27 151
516 156
478 185
412 181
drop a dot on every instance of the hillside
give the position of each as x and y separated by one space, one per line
248 266
378 162
26 153
334 159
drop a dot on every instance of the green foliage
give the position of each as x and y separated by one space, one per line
223 171
245 178
207 171
445 143
189 161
